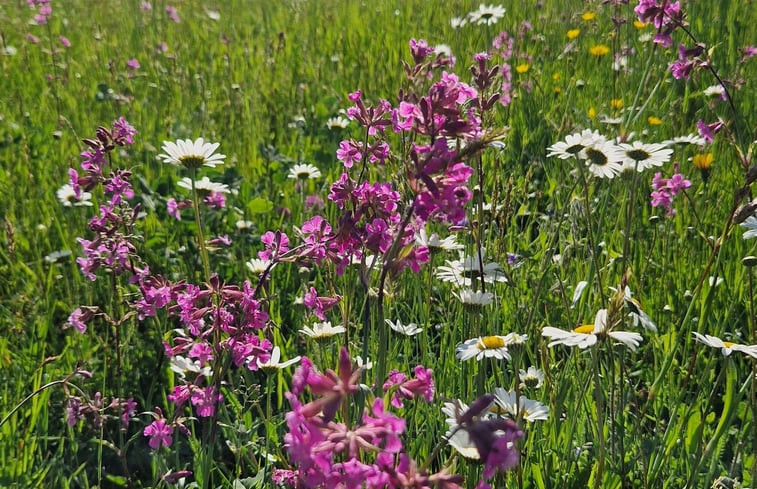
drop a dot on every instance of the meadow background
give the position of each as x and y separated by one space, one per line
263 79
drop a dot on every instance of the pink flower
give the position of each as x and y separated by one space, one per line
173 14
64 41
145 6
160 433
133 64
205 400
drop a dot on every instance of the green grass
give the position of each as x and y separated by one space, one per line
675 412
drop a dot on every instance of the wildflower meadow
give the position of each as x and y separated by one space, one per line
378 244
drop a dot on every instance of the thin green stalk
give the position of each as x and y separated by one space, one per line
753 386
599 403
198 221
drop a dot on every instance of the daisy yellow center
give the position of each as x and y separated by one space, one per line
638 155
596 157
497 409
192 161
584 329
303 174
531 381
728 344
490 343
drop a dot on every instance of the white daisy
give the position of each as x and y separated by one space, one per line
411 329
483 347
337 122
457 22
486 14
366 364
182 366
304 171
433 243
642 156
242 224
191 154
474 298
273 363
692 138
750 224
605 159
529 409
714 91
458 438
636 313
574 143
67 197
57 255
257 266
204 185
443 50
726 347
322 331
533 377
463 272
587 335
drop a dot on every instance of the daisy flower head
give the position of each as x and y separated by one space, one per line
458 438
474 299
486 14
67 196
750 224
304 171
505 403
574 143
533 377
636 313
257 266
642 156
410 329
191 154
465 271
692 138
337 122
322 331
726 347
434 243
587 335
273 364
483 347
204 185
604 159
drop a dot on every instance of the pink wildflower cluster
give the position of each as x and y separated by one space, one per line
161 431
44 11
666 16
327 452
665 189
708 131
112 245
98 410
688 60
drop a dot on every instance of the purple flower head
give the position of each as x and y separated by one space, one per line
160 433
708 131
276 244
420 50
204 400
63 40
173 14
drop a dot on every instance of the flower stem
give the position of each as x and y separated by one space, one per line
200 234
599 402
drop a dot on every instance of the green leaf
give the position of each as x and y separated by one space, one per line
693 432
259 205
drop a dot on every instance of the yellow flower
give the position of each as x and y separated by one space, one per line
588 16
599 50
573 33
654 121
592 113
639 24
555 76
702 161
557 90
616 103
522 68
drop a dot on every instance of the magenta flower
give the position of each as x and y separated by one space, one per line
173 14
64 41
160 433
133 64
276 244
205 400
318 305
708 131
